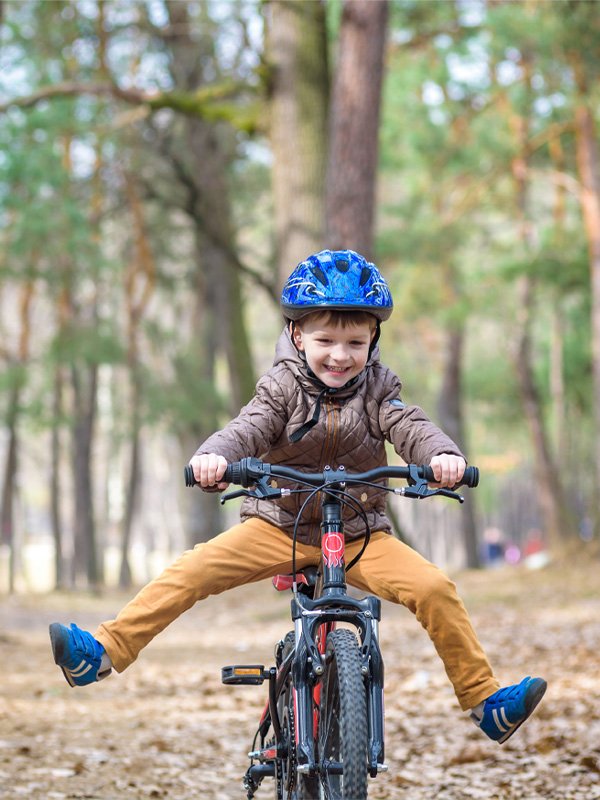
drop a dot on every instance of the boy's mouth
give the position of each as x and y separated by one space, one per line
336 370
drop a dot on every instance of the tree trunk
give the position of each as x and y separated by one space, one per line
550 491
210 148
132 488
55 493
557 378
588 166
7 515
452 422
19 362
87 563
139 286
354 126
201 157
297 53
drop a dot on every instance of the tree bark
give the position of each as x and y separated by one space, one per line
452 422
87 563
550 491
588 167
131 500
557 378
200 153
297 54
139 286
9 484
55 493
7 516
209 151
354 126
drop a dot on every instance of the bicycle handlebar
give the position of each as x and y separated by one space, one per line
250 470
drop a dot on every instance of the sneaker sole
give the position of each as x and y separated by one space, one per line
58 651
533 698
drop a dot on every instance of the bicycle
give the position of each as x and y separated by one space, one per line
321 734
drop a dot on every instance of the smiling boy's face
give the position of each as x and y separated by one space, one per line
335 353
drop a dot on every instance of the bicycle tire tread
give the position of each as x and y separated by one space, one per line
353 725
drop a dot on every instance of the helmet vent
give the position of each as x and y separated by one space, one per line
342 264
320 275
365 274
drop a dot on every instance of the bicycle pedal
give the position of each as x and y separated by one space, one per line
244 674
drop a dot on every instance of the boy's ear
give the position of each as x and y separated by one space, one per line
296 334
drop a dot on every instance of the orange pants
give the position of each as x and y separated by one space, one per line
254 550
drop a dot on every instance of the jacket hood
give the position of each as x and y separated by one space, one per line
286 353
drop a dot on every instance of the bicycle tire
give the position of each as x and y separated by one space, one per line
294 785
343 726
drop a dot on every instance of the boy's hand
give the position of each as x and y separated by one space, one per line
208 470
448 469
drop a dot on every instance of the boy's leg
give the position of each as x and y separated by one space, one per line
248 552
396 572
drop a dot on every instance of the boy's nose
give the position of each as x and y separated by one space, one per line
339 353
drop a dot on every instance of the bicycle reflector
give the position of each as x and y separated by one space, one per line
246 674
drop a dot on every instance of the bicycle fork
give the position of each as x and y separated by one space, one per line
308 667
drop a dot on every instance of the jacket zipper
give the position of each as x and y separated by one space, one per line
332 428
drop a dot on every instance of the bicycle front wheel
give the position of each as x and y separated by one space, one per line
343 727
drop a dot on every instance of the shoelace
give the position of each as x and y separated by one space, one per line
508 693
83 643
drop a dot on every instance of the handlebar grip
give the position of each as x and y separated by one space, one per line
232 474
188 474
470 477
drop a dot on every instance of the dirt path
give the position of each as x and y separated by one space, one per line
167 728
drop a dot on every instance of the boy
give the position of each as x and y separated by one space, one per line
326 400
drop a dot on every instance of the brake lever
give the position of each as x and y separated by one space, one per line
233 495
422 491
447 493
262 489
419 488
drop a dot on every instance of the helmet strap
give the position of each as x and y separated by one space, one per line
375 338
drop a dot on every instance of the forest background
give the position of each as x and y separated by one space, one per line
164 165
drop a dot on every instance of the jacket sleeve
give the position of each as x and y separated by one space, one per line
256 427
415 437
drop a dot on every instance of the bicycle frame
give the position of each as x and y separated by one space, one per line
313 619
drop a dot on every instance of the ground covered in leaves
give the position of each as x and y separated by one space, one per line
167 728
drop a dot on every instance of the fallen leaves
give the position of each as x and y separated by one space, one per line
167 727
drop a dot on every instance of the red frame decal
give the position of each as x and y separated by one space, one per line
333 546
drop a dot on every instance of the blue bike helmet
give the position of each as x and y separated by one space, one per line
336 279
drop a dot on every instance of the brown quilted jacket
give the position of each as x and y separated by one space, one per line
353 426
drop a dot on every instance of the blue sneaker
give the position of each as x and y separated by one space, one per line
507 709
77 653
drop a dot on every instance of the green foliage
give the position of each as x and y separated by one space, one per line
187 402
450 228
92 343
449 238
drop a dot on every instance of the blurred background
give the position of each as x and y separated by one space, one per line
163 167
